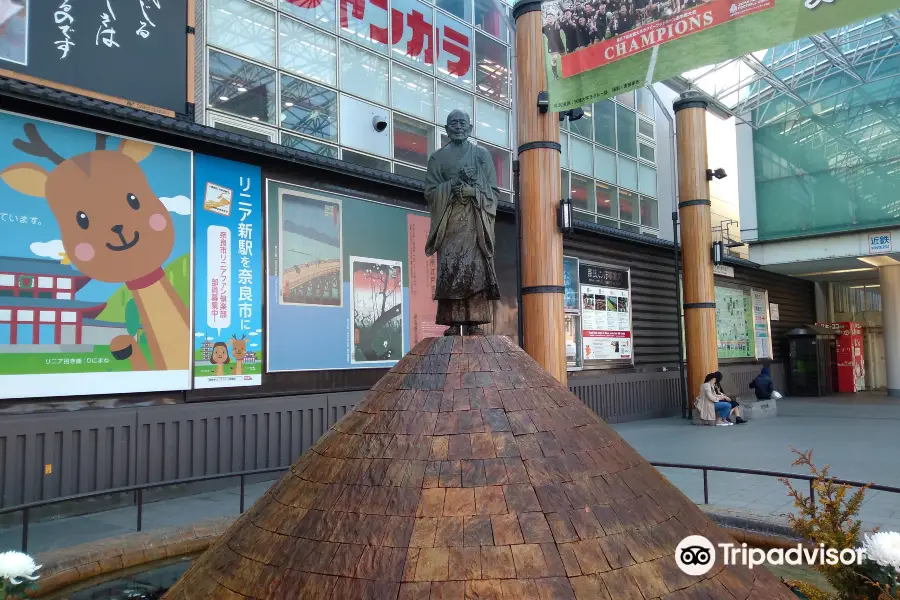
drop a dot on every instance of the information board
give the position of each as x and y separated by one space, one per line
131 50
734 323
761 336
605 313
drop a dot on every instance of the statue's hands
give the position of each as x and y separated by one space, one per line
456 187
468 190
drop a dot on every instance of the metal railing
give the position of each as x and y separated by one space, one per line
138 490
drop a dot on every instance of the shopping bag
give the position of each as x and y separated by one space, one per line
776 396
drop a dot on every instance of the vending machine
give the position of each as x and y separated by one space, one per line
850 362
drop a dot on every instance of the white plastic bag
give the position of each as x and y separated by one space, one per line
776 396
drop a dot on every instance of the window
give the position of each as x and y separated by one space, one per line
64 283
502 164
582 193
605 165
357 22
450 98
490 20
626 99
307 51
366 161
364 74
645 102
604 116
26 282
585 125
357 129
626 127
299 143
239 127
413 140
647 151
646 128
607 201
412 92
242 27
492 69
628 206
564 151
319 13
649 212
308 108
7 280
647 180
629 228
580 156
45 282
454 53
564 185
409 172
410 44
241 88
491 122
628 176
458 8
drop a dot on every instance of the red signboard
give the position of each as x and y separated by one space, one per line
850 364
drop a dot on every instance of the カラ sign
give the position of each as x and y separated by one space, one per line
596 49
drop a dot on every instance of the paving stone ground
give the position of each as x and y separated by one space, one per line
858 437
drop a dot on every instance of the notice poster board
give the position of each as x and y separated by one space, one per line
734 323
133 52
605 313
761 331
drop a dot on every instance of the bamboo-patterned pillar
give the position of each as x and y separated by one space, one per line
696 240
539 187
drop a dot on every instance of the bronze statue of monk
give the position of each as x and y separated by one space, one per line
461 190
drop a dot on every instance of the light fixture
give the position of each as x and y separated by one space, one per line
718 174
718 253
241 89
543 102
289 104
564 215
223 98
879 261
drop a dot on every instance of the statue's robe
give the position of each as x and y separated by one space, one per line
462 234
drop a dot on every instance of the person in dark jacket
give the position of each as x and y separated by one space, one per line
763 385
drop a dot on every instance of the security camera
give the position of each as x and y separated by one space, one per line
379 123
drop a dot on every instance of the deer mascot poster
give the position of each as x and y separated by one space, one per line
95 264
229 274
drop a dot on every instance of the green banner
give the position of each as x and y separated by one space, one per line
595 49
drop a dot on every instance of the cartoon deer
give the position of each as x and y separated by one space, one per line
238 351
114 229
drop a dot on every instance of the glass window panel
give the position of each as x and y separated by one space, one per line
319 13
581 215
364 160
647 180
241 88
256 135
628 209
647 152
502 164
628 174
585 125
491 69
413 140
412 92
607 223
458 8
580 156
626 131
645 102
492 122
581 191
444 140
308 108
564 153
364 74
359 21
357 119
505 197
564 185
306 51
604 117
450 98
605 164
646 128
415 44
607 200
649 212
629 228
242 27
295 141
490 20
454 50
409 172
627 99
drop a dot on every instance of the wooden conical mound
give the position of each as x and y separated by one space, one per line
468 472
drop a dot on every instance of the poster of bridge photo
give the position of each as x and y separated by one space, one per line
310 250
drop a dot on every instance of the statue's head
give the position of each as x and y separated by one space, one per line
458 126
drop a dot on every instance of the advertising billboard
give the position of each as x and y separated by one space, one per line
95 266
596 49
605 313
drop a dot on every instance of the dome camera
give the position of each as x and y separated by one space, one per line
379 123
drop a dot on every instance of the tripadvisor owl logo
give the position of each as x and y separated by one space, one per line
695 555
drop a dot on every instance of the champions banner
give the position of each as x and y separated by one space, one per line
595 49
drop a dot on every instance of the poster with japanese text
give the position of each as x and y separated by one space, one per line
605 313
228 277
761 335
95 266
349 284
734 323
